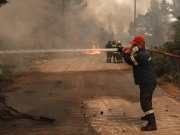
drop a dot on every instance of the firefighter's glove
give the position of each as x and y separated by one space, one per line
127 50
134 50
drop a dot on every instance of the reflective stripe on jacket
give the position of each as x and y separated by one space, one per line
143 70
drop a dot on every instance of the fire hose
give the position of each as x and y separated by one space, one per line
120 49
164 53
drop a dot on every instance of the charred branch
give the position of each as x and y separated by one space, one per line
7 112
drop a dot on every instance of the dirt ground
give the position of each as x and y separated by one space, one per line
170 89
86 96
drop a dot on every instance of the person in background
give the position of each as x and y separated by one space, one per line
144 76
119 57
114 53
109 54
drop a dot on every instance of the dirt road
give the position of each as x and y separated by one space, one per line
86 96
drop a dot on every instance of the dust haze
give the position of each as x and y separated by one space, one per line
28 23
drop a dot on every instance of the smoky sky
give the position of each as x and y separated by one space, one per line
106 12
20 19
115 12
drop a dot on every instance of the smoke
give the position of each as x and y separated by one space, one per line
18 20
112 13
115 12
26 23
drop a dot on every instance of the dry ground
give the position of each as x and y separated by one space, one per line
86 96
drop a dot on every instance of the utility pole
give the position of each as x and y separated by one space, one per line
63 19
134 17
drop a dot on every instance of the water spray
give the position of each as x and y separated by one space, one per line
82 50
56 50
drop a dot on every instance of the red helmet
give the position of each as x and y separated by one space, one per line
138 39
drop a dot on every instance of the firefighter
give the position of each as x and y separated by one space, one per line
114 53
109 54
144 76
119 57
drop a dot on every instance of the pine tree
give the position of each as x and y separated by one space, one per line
150 25
155 20
162 62
176 8
166 19
176 37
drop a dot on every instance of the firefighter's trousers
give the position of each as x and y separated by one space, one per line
119 58
114 54
146 93
109 57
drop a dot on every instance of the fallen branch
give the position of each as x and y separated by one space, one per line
37 118
10 113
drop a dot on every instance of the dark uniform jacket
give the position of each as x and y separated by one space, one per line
114 45
108 45
119 45
142 66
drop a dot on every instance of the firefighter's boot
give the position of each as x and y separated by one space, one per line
151 126
114 61
144 118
